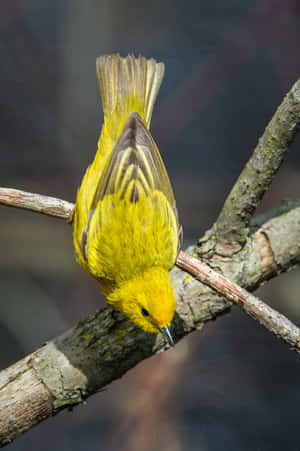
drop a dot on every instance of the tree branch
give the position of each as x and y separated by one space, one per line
104 346
37 202
257 309
233 221
260 311
285 206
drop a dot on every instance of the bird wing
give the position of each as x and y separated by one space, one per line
135 170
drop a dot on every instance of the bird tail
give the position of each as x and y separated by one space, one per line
129 84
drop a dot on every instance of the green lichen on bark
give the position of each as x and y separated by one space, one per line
105 345
89 356
232 225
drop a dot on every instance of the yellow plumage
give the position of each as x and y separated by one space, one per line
125 222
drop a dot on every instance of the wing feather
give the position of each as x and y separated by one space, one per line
134 171
135 159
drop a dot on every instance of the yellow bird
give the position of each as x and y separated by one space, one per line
126 230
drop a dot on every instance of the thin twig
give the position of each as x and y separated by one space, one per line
270 318
46 205
233 221
259 310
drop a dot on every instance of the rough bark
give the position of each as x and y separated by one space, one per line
24 400
105 345
232 224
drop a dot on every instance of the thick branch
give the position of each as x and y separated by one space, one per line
285 206
103 347
256 177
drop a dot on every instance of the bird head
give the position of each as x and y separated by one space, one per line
148 300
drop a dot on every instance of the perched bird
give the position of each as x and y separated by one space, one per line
126 230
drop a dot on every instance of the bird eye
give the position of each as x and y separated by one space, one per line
145 312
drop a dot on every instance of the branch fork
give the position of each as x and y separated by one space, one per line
105 345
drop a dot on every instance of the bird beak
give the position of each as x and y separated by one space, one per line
166 332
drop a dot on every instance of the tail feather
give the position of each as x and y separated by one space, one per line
120 78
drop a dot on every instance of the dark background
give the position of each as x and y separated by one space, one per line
232 386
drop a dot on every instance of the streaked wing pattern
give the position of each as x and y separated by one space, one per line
135 165
134 170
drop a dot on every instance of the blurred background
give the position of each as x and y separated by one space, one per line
232 386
